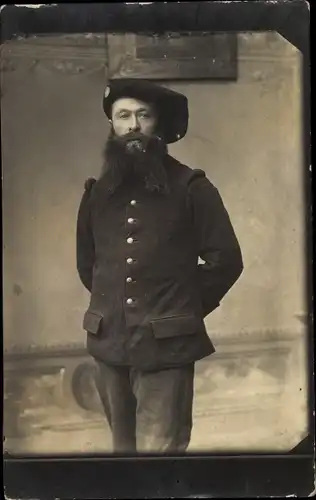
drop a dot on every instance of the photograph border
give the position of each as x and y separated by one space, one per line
240 475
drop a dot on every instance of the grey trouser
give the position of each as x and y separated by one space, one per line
148 412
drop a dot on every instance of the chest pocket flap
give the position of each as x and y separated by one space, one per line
174 326
92 321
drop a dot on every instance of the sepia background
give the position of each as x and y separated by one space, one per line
251 395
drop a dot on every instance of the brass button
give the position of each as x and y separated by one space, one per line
129 260
129 279
130 220
133 202
130 240
129 301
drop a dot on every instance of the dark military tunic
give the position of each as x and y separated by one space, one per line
137 253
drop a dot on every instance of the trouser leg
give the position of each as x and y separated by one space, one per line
164 409
119 403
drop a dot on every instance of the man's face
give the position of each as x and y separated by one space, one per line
134 147
130 115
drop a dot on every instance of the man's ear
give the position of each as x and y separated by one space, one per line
111 131
160 134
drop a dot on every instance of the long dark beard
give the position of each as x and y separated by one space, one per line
134 158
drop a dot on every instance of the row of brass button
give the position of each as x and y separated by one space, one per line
129 260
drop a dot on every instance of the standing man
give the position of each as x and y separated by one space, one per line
141 228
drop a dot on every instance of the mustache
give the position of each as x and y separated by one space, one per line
137 142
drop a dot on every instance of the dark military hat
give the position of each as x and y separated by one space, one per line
172 107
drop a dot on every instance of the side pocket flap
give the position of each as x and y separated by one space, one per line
92 321
175 326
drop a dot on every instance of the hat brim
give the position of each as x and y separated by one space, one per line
172 106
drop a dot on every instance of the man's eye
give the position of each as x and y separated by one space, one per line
145 115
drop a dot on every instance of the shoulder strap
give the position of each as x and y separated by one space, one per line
196 173
89 183
190 175
187 179
184 174
86 195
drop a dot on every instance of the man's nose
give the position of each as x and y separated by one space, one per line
134 123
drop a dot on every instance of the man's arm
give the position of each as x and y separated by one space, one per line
85 242
216 242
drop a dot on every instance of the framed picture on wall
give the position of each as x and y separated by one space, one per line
173 56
